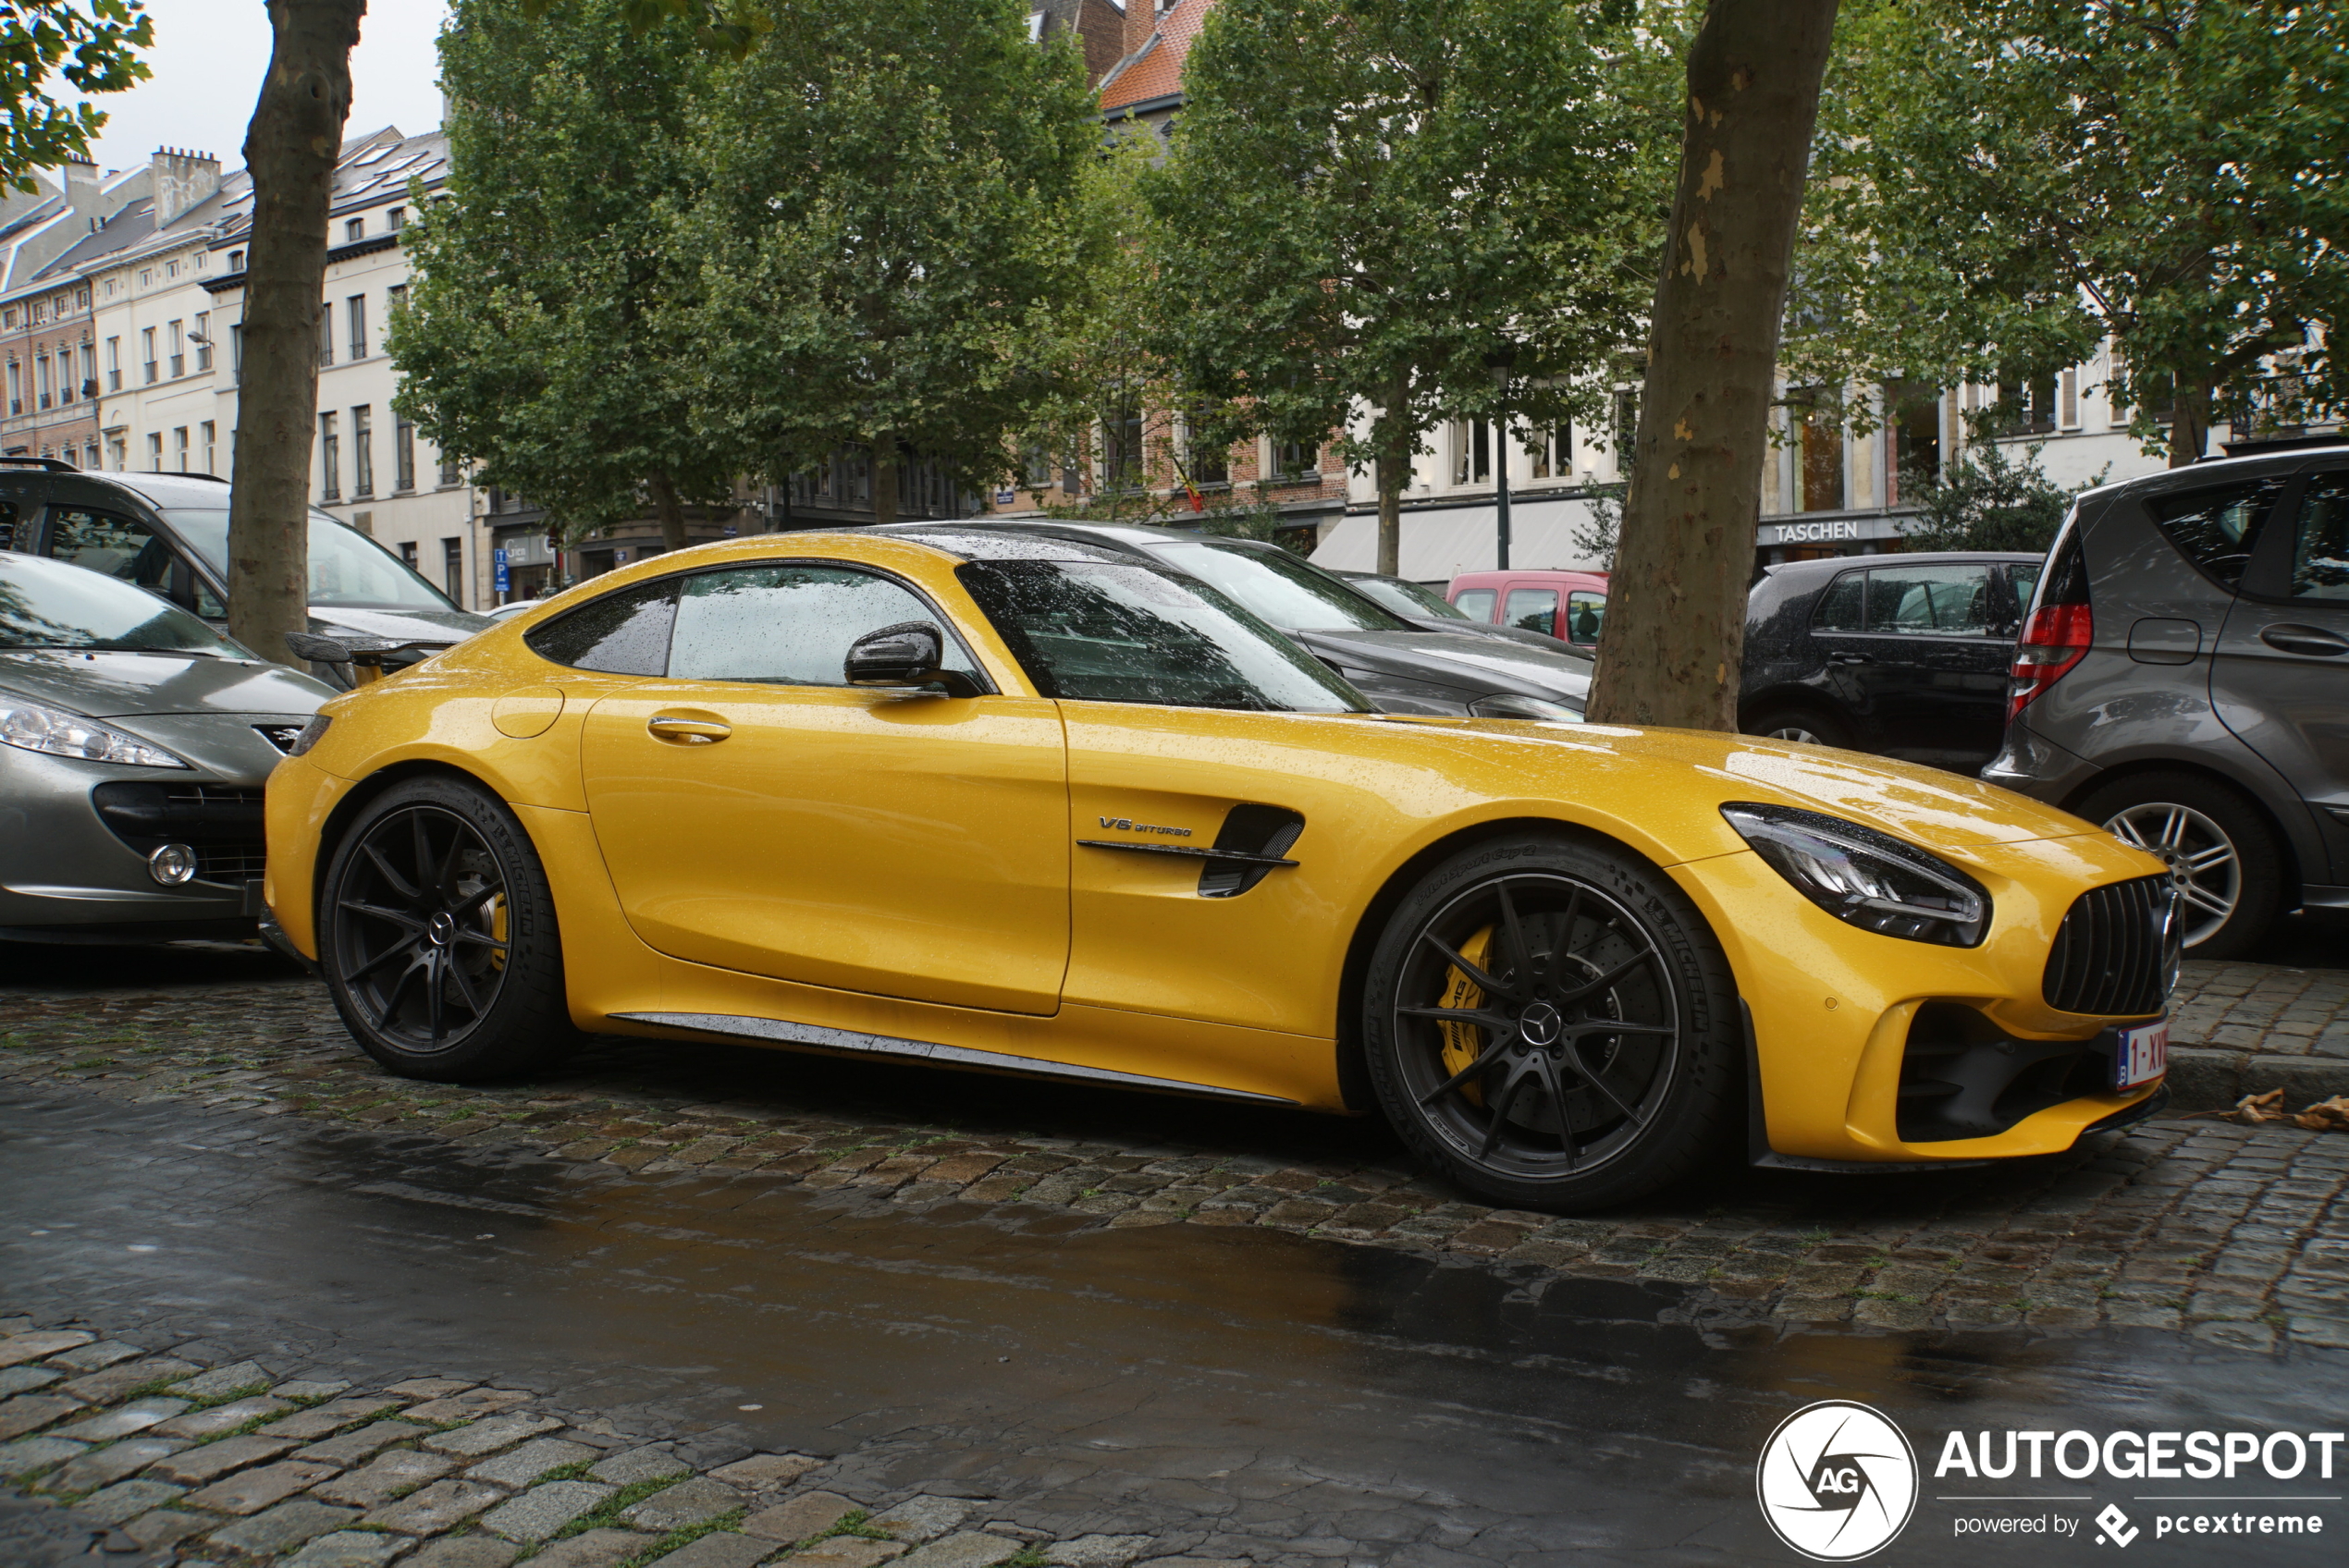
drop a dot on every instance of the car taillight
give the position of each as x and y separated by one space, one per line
2057 638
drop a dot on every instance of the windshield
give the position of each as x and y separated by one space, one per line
50 605
347 567
1284 590
1406 598
1111 632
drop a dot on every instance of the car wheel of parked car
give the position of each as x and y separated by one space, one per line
2219 851
438 937
1550 1022
1808 726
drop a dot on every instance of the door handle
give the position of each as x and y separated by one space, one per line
687 731
1850 658
2311 640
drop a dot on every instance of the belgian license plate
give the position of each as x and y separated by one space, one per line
2143 1057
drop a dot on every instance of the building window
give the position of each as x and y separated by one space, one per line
449 474
357 336
147 347
146 277
408 553
154 451
114 364
403 453
207 430
362 450
90 455
9 319
40 312
1123 461
394 301
117 455
16 389
2027 407
178 348
171 268
329 460
236 261
180 447
1471 452
203 340
396 219
237 351
89 370
41 375
1297 459
65 375
81 298
356 230
200 259
453 569
1818 456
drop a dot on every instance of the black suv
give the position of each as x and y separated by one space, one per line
168 534
1903 655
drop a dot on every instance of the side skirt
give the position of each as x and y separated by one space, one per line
783 1031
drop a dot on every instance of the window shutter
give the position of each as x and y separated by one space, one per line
2068 401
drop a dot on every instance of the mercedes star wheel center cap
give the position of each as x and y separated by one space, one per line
1541 1026
441 928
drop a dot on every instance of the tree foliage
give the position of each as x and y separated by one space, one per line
886 198
1366 199
548 332
2009 182
90 45
1987 498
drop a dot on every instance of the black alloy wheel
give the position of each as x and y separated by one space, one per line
437 936
1549 1026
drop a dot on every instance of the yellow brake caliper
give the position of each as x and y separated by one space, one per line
1461 1041
497 932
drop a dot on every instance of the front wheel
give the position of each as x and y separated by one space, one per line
437 937
1550 1022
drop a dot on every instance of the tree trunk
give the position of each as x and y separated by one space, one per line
1676 610
884 479
291 151
2189 423
1393 474
670 511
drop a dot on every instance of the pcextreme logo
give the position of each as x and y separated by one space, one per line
1836 1481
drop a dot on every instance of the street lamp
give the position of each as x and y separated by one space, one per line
1498 363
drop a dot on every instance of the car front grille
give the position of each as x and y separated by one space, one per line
213 795
229 863
2116 954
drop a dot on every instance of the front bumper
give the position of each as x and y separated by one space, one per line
64 876
1839 1014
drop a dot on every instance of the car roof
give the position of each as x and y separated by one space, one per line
1128 536
1905 557
158 489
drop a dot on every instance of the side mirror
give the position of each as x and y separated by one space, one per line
911 653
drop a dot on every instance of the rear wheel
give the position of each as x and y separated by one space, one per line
437 933
1550 1024
2221 854
1806 725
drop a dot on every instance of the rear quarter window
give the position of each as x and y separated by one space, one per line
1840 608
2216 527
623 633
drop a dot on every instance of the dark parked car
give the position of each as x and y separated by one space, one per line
168 534
1398 665
134 742
1424 606
1902 655
2183 679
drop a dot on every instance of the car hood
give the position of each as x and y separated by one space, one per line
121 685
1517 634
399 625
1473 665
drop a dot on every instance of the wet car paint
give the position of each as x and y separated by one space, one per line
1499 1415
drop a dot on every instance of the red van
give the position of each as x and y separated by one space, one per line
1568 604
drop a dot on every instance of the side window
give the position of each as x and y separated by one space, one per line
788 625
2320 543
1585 616
2215 528
2023 578
1476 604
623 633
1931 601
1532 609
1840 606
117 546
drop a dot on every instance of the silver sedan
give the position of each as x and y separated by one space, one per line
134 742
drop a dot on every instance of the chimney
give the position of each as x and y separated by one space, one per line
1141 21
81 186
182 179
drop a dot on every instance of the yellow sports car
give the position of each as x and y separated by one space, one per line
1023 804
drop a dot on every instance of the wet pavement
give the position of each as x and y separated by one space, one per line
1229 1393
191 1165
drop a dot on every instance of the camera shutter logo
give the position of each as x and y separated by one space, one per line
1836 1481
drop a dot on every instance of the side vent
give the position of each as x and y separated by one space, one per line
1267 832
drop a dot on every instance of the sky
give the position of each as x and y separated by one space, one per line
207 63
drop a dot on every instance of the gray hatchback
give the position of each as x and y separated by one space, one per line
2182 678
134 742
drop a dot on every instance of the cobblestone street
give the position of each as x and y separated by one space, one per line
2193 1231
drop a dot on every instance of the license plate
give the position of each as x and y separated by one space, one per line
2143 1056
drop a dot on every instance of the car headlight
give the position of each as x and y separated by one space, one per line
312 733
37 728
1869 878
1508 706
